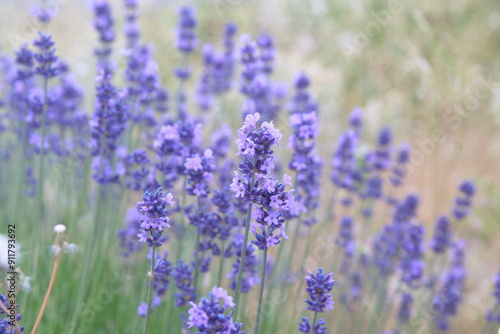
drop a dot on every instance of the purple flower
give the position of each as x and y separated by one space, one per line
142 309
131 28
154 211
344 161
373 187
383 153
205 90
25 60
406 210
250 275
496 291
346 242
399 169
254 144
306 327
356 120
213 313
218 68
183 278
267 53
229 59
173 144
43 14
356 286
269 215
262 95
446 301
318 286
442 235
128 236
6 326
45 58
249 61
494 313
412 263
186 40
144 91
211 227
305 161
463 202
221 141
162 271
404 313
199 170
107 125
104 24
136 171
385 249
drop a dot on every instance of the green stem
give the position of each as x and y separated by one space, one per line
314 321
262 279
300 285
39 201
181 225
294 243
150 291
196 259
87 257
221 265
243 255
277 261
171 311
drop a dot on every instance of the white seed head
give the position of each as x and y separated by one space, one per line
25 284
60 228
72 248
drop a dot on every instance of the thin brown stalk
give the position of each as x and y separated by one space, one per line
47 294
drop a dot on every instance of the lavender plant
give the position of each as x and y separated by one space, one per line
373 230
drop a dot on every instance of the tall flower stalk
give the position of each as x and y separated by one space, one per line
46 68
59 245
254 145
154 211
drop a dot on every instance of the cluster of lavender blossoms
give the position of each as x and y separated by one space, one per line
154 211
213 314
305 161
320 300
493 315
254 185
8 325
262 95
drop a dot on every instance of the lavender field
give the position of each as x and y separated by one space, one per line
249 166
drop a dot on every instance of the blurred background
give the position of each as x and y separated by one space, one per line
428 69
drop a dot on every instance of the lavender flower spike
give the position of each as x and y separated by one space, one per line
46 58
154 210
442 235
318 286
253 186
463 202
494 313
